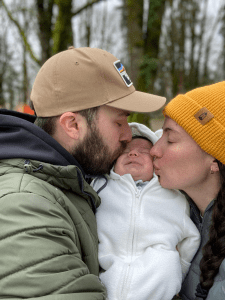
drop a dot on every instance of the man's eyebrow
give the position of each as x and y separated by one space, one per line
124 113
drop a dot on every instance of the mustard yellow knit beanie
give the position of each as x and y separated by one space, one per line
201 112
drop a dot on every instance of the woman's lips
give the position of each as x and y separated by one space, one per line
156 169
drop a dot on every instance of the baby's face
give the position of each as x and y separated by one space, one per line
136 160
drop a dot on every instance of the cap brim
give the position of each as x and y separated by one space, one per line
139 102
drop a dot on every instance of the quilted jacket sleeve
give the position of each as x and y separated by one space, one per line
40 256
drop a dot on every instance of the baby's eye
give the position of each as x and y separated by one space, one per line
145 151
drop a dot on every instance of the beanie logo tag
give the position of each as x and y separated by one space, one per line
122 71
204 116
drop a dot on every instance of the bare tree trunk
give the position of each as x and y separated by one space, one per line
24 63
61 36
174 55
201 40
25 79
191 24
45 13
217 22
21 32
181 44
2 100
88 25
223 34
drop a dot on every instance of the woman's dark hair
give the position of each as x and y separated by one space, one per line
214 250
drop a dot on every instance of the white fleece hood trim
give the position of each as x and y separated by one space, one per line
142 130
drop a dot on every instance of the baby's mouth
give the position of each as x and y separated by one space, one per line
132 162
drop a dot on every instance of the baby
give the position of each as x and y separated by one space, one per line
146 238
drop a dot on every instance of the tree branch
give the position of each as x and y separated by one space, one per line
22 33
76 12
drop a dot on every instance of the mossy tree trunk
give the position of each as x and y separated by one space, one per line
143 35
62 32
151 38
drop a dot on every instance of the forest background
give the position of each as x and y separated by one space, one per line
167 46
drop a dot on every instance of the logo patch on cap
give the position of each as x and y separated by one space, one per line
204 116
122 71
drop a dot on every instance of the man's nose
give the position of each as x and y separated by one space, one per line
126 134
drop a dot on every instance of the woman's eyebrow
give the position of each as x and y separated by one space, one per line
168 129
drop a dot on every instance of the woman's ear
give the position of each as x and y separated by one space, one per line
214 167
73 124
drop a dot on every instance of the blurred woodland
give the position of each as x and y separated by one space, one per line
167 46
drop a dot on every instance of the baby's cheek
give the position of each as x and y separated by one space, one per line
116 167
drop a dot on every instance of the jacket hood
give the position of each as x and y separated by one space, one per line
142 130
20 138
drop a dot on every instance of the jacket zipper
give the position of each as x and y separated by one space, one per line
126 276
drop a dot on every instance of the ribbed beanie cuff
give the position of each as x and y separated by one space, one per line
209 102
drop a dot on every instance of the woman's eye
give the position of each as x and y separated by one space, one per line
119 124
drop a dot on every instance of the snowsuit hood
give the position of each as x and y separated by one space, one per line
143 131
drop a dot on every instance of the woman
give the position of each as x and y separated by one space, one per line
190 157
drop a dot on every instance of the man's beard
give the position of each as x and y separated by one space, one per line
94 155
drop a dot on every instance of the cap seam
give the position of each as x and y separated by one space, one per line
122 97
56 80
101 73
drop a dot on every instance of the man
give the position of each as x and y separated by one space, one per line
48 247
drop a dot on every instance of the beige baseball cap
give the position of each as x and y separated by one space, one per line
81 78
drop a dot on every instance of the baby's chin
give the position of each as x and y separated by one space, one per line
135 173
131 168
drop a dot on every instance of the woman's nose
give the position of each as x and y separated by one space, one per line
154 152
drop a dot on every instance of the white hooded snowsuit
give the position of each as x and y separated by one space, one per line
139 227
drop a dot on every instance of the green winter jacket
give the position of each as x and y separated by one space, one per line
48 236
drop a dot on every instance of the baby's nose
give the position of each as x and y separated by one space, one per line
133 153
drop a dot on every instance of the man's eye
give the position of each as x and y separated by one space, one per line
119 124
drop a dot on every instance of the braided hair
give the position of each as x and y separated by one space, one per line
214 250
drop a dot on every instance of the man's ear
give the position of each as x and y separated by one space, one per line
73 124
